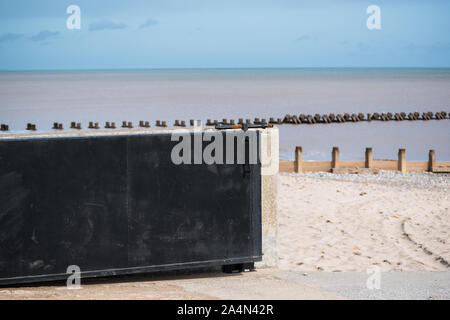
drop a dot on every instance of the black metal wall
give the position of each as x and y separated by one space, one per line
117 204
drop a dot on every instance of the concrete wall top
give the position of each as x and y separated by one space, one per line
73 133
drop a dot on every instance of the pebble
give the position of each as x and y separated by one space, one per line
422 180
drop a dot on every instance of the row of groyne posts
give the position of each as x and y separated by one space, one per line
288 119
347 117
337 166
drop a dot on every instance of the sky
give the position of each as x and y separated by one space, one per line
134 34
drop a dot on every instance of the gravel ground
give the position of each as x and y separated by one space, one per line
421 180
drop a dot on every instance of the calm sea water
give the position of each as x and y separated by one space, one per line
82 96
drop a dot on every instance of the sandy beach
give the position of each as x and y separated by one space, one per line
332 222
332 228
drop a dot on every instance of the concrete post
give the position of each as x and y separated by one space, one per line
269 185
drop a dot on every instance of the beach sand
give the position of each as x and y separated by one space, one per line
331 222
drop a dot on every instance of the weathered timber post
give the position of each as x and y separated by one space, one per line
298 159
431 160
369 158
335 158
402 160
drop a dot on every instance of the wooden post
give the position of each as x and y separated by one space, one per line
431 160
298 159
369 158
402 160
335 158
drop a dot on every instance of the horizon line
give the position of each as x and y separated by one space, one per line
215 68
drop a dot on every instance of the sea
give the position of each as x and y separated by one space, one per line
44 97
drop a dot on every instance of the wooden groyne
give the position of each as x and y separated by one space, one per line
369 164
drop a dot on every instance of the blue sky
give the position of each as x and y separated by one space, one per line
118 34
